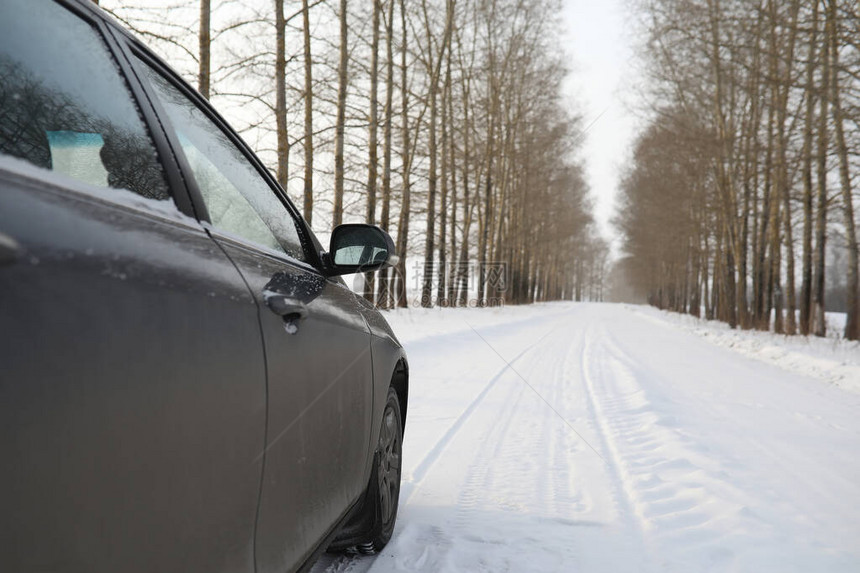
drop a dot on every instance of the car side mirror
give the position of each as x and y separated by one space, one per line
359 248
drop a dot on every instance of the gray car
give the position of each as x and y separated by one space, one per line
186 384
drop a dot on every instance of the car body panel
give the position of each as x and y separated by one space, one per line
319 394
132 392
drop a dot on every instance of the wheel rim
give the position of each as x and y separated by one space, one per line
389 465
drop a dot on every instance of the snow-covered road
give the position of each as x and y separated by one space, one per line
607 438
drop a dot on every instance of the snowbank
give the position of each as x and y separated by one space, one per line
831 359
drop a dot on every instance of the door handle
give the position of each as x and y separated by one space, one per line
9 249
293 311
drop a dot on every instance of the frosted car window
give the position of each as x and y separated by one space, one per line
227 208
238 198
64 105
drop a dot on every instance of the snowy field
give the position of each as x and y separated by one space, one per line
611 438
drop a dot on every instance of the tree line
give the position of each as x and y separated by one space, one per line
739 199
440 120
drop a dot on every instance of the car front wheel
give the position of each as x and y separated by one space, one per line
387 470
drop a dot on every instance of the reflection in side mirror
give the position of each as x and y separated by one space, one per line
358 248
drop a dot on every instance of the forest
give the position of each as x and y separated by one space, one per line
442 121
738 200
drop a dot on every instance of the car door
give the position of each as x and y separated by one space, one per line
317 343
132 375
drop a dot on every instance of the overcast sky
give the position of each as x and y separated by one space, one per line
599 42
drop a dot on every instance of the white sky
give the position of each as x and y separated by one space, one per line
599 41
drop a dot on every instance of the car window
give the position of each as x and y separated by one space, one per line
238 198
64 105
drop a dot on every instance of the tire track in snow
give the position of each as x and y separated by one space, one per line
678 495
522 425
784 458
479 476
659 490
427 462
554 483
434 541
612 455
494 442
556 435
518 469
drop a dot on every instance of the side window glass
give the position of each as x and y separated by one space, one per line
64 105
238 198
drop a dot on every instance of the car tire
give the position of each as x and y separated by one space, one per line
384 486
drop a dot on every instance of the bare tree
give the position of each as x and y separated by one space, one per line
204 40
433 62
384 293
281 95
342 78
308 192
406 160
852 325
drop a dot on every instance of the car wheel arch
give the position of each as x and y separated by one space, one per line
360 520
400 383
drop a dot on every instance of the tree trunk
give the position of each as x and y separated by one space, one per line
462 286
767 242
373 158
806 272
452 169
308 206
383 297
337 215
819 325
430 237
724 178
775 292
204 37
852 326
485 228
782 87
434 66
442 275
281 95
403 223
